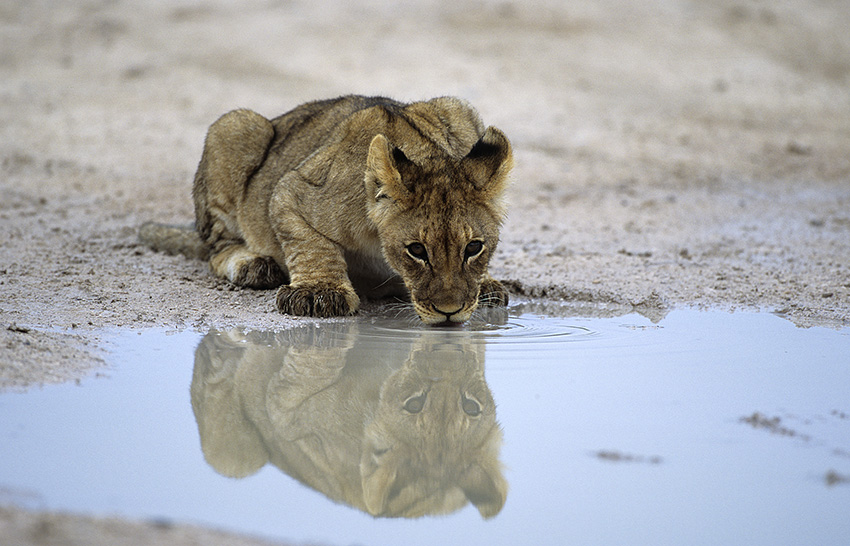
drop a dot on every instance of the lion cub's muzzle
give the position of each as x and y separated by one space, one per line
430 313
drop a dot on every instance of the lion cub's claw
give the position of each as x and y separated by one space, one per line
317 301
492 294
260 272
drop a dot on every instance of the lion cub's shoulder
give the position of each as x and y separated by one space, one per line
423 130
450 124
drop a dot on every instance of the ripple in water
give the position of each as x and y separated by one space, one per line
490 325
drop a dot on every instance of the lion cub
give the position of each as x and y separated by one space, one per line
365 192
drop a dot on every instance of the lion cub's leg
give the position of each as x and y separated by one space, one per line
235 147
492 293
319 284
242 267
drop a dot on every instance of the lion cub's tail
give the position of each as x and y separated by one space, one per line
174 240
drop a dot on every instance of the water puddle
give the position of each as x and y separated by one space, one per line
526 428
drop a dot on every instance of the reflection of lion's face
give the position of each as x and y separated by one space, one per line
434 440
393 440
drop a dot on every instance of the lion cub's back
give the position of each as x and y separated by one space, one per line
304 129
446 123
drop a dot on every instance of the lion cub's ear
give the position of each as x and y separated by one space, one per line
383 180
378 472
489 162
485 487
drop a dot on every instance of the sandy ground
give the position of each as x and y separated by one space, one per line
669 153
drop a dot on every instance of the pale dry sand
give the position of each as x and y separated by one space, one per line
669 153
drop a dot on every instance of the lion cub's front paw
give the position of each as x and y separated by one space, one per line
492 294
319 300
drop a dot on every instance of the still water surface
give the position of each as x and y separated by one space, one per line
702 428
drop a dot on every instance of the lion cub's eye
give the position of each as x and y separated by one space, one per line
414 404
417 250
470 406
473 249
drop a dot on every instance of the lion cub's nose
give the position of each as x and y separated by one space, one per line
447 313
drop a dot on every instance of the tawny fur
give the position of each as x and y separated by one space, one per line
337 415
356 195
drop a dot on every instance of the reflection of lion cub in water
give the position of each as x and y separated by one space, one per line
355 190
350 420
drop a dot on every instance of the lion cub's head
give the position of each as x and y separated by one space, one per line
433 444
438 217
